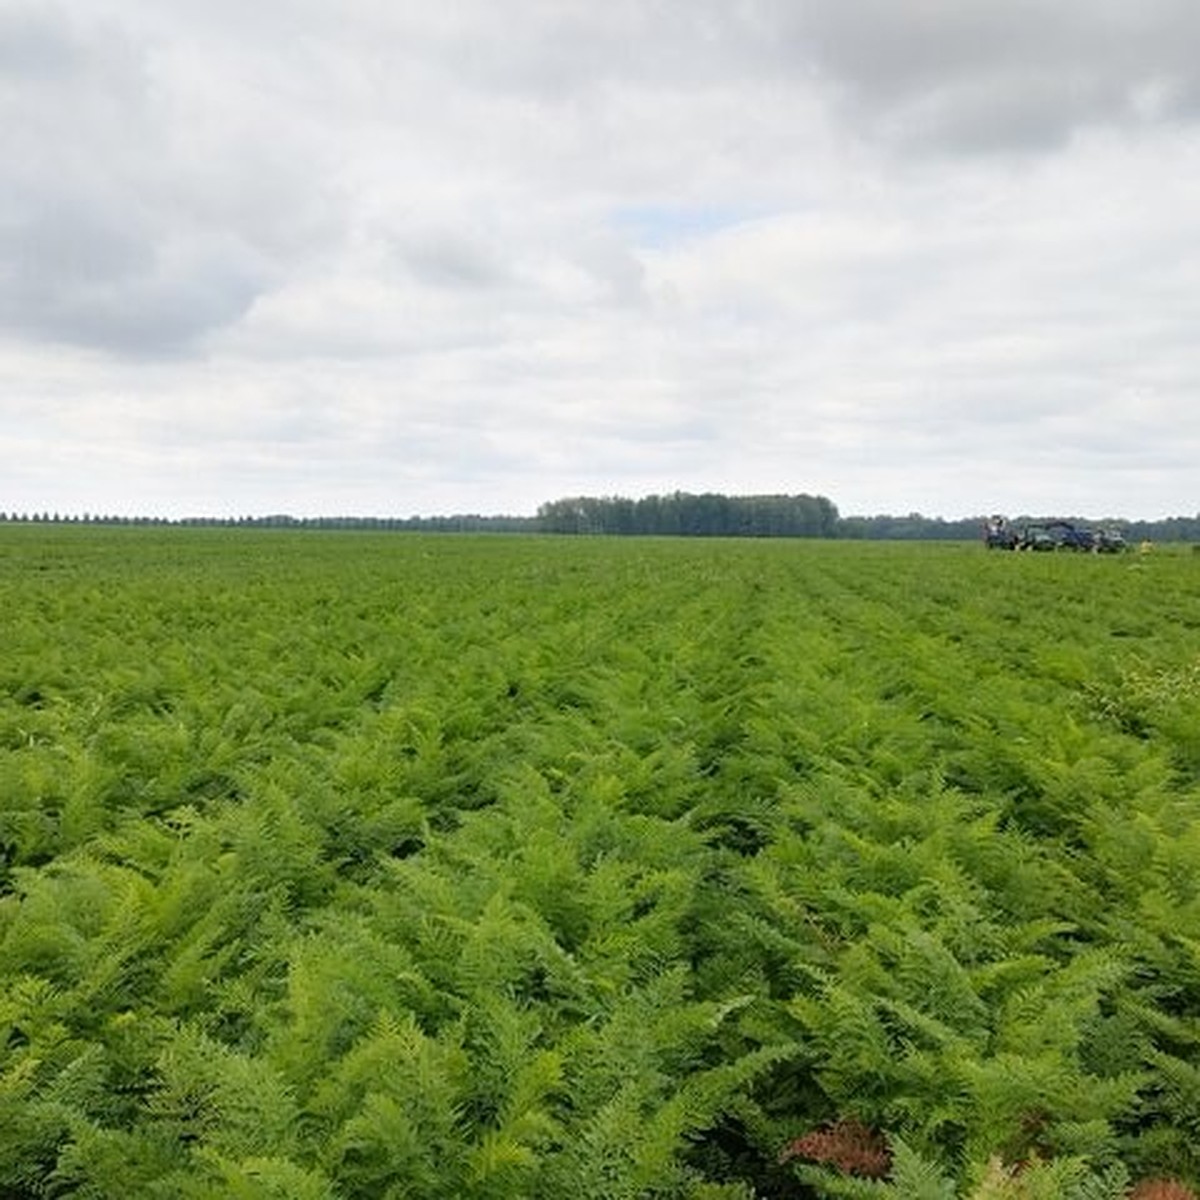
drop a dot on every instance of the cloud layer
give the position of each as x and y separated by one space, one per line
913 254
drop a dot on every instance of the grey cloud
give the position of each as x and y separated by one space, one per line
981 76
44 45
1037 112
153 314
107 238
101 277
34 45
64 243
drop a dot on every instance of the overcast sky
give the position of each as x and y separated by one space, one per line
432 256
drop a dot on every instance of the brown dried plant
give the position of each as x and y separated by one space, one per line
847 1145
1162 1189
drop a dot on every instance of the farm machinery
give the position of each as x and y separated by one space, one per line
1000 534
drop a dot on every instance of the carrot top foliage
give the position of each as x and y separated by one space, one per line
354 865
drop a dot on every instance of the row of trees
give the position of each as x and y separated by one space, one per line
684 514
48 518
706 515
459 523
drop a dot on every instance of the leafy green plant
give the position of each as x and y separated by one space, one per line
389 865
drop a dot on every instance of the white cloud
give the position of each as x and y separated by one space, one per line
397 258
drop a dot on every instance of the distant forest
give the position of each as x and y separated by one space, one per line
679 514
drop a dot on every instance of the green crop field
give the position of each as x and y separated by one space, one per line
361 866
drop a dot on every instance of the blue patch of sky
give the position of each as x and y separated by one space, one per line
660 226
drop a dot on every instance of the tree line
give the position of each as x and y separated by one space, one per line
709 514
677 514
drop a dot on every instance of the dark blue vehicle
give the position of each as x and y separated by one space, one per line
1070 537
1040 536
